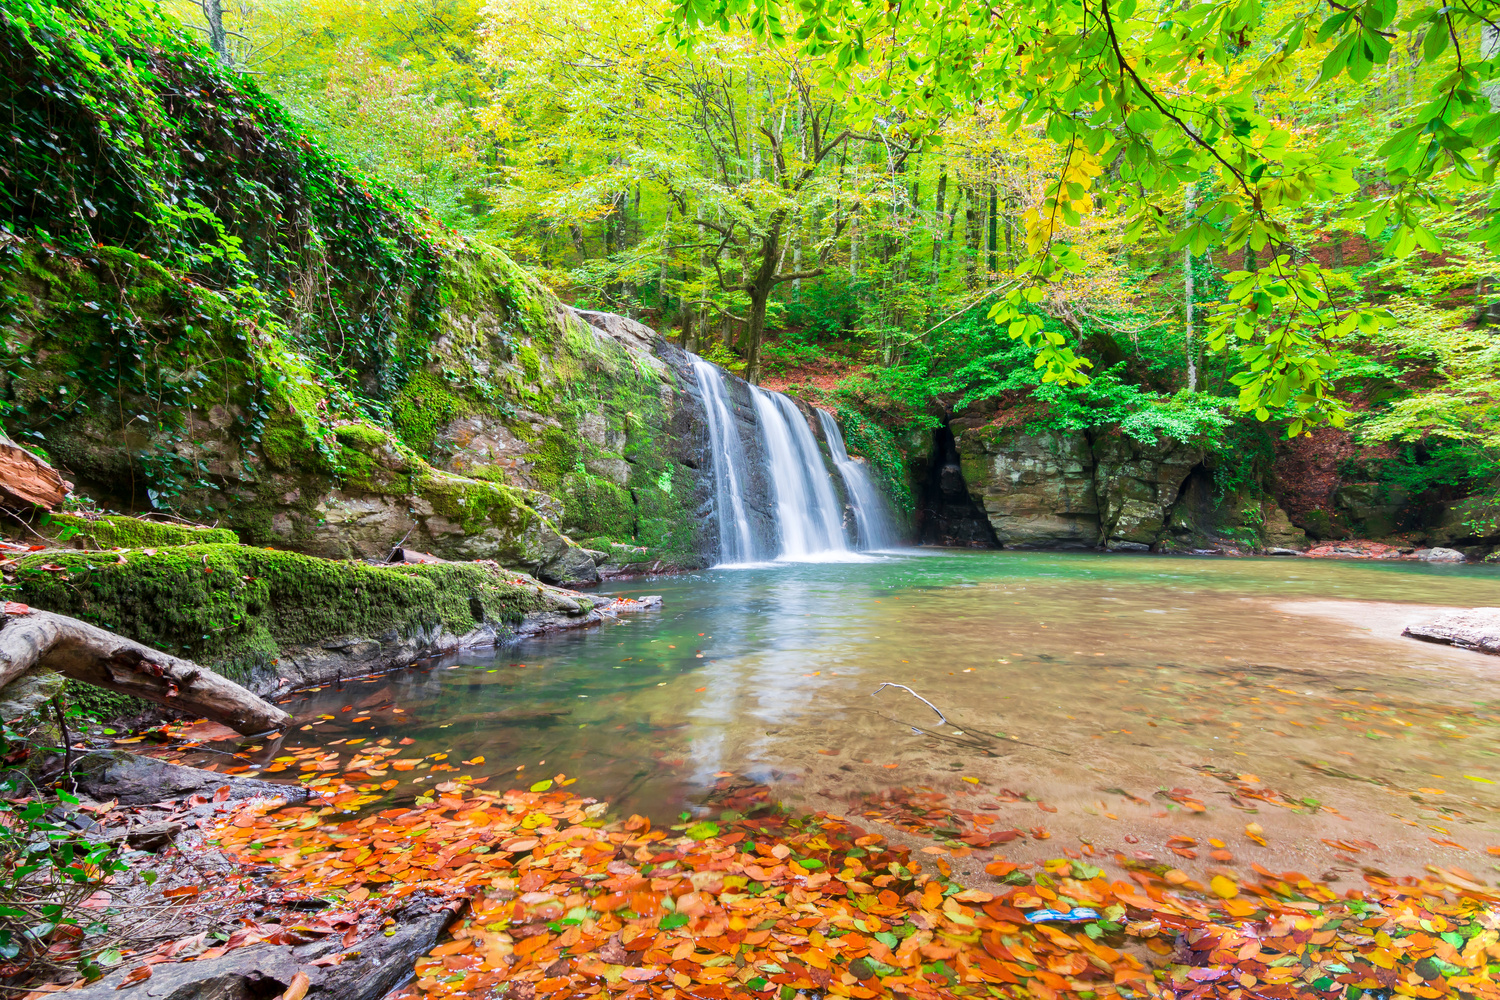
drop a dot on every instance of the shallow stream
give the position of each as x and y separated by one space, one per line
1091 698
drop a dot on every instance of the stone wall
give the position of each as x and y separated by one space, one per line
1053 490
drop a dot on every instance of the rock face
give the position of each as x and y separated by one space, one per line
1478 630
1053 490
527 429
371 967
947 515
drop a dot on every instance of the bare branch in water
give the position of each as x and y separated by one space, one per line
914 695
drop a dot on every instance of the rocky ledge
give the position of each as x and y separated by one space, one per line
274 621
1477 629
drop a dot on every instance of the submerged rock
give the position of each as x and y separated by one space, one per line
132 780
1477 629
1440 555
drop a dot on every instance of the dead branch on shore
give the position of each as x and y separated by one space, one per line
32 640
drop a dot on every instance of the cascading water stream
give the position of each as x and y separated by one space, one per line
808 517
727 454
872 518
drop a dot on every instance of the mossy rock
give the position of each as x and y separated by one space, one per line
296 395
238 609
113 531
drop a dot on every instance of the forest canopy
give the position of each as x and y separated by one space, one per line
1178 219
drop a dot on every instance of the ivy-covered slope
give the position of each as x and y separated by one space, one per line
204 312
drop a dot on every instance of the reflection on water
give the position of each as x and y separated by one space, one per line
1120 676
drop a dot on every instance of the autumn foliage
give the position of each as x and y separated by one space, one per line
563 901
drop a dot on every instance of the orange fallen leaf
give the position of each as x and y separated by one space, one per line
297 988
136 975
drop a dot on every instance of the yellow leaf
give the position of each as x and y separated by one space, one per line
1223 888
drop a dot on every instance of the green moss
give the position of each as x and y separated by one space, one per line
591 502
472 503
531 361
287 445
425 404
117 532
557 454
236 608
664 520
98 703
361 435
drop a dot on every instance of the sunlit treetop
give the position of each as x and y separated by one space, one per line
1144 99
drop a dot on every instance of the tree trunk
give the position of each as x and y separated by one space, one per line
213 13
974 232
937 229
994 255
755 329
1187 294
853 246
31 639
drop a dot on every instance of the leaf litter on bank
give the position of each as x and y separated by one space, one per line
765 903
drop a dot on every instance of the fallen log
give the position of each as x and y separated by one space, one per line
32 639
25 479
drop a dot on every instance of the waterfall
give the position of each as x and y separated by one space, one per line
727 454
808 517
871 516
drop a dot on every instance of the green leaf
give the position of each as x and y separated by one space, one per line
702 831
1435 41
1486 130
1331 26
672 921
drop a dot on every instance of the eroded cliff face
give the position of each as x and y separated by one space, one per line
1054 490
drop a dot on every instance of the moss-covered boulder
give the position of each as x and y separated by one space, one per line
271 619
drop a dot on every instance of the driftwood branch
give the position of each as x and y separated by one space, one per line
31 639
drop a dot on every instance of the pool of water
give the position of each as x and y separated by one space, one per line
1092 697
